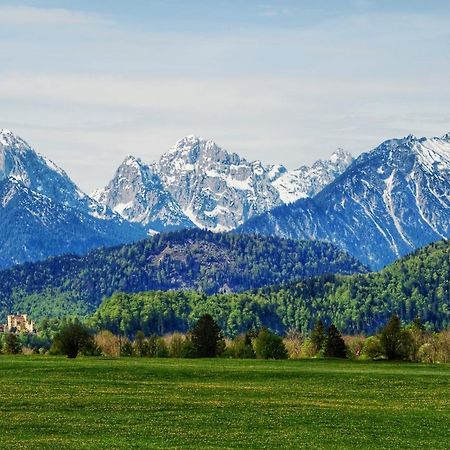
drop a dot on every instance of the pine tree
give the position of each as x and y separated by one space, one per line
11 344
318 336
390 338
334 344
206 337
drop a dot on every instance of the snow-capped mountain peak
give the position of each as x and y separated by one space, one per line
217 189
20 161
446 137
214 188
138 195
389 202
308 181
43 212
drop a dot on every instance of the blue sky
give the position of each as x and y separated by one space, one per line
89 82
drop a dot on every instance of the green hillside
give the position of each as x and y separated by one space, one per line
189 260
417 285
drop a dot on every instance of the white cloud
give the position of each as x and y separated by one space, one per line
93 91
28 16
89 123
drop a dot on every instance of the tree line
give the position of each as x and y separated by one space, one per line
394 341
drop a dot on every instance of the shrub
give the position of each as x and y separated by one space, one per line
426 353
268 345
176 342
156 347
355 346
417 338
73 339
241 347
293 342
33 341
188 350
107 343
443 347
126 348
308 349
140 346
372 348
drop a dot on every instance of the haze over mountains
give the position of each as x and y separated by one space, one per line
378 207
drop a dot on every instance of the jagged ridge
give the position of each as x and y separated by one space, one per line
389 202
207 186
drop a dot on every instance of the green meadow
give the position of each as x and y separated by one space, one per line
53 402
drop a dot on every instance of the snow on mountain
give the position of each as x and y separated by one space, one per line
213 188
20 161
138 195
216 189
43 213
378 207
309 181
389 202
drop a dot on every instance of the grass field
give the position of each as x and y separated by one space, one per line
51 402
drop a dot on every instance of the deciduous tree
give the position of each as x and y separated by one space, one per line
72 339
269 345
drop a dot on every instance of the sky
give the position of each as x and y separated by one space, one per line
87 83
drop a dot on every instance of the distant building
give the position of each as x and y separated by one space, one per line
17 323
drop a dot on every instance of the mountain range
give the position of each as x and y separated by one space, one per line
198 183
389 202
377 207
43 213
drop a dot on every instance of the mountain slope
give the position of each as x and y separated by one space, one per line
415 286
138 195
389 202
309 181
215 189
43 213
34 227
20 162
191 259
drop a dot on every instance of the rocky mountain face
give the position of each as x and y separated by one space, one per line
20 162
216 189
378 207
195 184
136 193
202 184
309 181
389 202
43 213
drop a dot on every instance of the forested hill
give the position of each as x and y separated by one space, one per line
417 285
190 259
